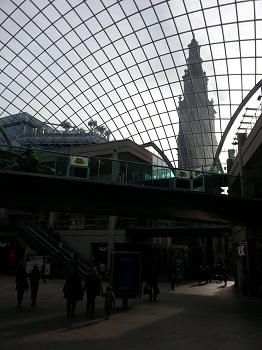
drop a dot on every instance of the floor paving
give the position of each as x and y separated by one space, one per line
206 317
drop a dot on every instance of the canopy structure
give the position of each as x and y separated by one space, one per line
171 73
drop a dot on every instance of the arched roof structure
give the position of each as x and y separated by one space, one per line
115 68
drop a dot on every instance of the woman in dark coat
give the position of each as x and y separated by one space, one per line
21 283
34 278
72 292
152 282
93 288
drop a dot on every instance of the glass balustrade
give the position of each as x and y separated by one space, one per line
140 174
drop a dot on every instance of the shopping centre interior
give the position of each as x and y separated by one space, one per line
144 121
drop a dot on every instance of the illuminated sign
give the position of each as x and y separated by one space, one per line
79 161
241 250
183 174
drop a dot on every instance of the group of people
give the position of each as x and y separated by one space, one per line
22 285
74 291
206 273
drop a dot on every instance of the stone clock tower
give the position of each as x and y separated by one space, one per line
196 140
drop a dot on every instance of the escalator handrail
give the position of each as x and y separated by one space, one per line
45 237
83 269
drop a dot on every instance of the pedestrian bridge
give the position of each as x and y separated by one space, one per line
106 187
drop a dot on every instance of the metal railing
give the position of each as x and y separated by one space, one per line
61 249
139 174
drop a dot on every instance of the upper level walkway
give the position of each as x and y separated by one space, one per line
68 183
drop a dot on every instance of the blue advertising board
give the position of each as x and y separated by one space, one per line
126 274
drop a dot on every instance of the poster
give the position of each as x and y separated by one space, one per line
38 260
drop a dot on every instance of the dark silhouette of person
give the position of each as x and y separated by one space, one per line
219 273
208 274
74 256
92 288
173 276
102 271
224 275
109 301
152 282
43 272
34 279
200 274
21 283
51 231
72 292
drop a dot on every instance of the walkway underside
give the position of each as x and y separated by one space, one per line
42 192
191 232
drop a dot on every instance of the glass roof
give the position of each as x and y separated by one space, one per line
118 66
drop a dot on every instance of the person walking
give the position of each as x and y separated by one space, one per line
200 274
224 275
34 279
92 288
72 292
152 282
43 272
173 276
102 271
109 301
21 283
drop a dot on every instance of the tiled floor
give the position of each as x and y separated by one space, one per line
192 317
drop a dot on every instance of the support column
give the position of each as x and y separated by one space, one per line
52 219
111 239
115 166
112 219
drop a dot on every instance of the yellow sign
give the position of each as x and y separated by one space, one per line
79 161
183 174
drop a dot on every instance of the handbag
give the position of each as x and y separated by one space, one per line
146 290
157 291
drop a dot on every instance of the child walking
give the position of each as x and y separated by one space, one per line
109 301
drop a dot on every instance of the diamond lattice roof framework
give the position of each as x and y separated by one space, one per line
120 64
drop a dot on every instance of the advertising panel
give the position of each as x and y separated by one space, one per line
38 260
126 274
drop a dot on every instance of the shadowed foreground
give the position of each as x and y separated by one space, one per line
207 317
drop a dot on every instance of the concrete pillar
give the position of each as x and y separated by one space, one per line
111 239
52 219
3 213
115 166
112 219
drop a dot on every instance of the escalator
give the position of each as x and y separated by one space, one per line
61 257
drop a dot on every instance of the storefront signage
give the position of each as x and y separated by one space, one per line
183 174
103 249
79 161
241 250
